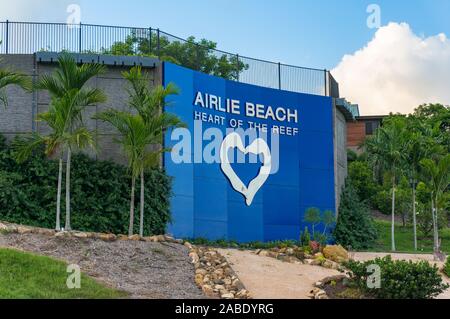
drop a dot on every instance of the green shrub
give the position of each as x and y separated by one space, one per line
399 279
354 226
447 267
361 175
100 194
305 237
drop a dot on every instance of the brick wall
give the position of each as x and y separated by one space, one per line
20 115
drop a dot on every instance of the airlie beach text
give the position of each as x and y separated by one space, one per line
249 109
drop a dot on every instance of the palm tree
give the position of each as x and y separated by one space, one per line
142 133
421 144
386 150
12 78
150 105
437 174
69 99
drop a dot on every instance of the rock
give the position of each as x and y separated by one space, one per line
335 253
62 234
227 296
44 231
12 229
290 251
3 227
219 281
318 284
23 230
308 261
315 262
336 278
219 287
242 294
80 235
161 238
201 271
318 255
218 272
272 254
188 245
207 290
108 237
194 257
313 292
134 237
199 280
122 237
263 253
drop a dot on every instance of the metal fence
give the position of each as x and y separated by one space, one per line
31 37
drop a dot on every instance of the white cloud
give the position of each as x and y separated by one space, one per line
396 71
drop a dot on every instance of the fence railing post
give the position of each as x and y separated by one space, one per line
237 67
158 43
79 39
7 36
279 75
150 40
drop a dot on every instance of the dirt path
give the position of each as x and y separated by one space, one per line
268 278
143 269
412 257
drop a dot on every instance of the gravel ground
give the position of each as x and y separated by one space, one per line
143 269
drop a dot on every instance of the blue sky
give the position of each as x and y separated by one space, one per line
300 32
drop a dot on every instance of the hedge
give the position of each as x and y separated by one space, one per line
100 192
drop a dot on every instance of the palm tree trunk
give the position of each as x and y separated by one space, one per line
393 216
141 218
414 215
58 196
67 226
131 226
435 225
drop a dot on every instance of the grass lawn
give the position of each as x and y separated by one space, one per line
404 239
24 276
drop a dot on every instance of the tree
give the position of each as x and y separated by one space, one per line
196 56
12 78
69 99
328 219
362 179
386 151
312 216
437 174
422 137
354 226
142 133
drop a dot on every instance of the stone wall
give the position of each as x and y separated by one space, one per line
340 147
20 115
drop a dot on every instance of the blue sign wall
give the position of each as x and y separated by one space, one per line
205 204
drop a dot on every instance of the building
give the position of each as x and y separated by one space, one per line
358 130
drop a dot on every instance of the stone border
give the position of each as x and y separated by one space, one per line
214 275
318 293
19 229
296 255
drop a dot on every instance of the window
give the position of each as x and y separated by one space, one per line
371 127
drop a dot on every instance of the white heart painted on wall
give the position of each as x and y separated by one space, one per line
259 146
